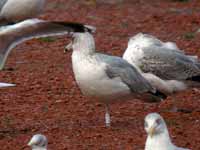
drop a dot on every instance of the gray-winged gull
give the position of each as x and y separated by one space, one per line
12 11
106 78
12 35
158 136
38 142
164 65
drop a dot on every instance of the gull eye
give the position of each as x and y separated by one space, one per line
158 121
145 124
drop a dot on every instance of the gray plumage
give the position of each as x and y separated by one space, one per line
106 78
13 35
168 65
163 64
117 67
13 11
2 3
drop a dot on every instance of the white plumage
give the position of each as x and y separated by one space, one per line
157 134
106 78
2 85
38 142
163 64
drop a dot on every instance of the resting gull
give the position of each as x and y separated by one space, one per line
163 64
12 11
158 137
38 142
12 35
104 77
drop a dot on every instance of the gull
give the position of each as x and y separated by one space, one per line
12 35
163 64
38 142
12 11
158 136
106 78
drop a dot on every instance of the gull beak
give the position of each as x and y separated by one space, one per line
68 47
152 131
31 143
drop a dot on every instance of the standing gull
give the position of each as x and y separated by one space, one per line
164 65
12 35
106 78
158 137
12 11
38 142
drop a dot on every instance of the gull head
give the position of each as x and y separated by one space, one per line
81 41
154 124
38 141
143 40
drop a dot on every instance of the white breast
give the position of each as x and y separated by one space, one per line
91 77
133 55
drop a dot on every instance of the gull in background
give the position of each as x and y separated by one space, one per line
38 142
158 136
107 78
12 35
12 11
163 64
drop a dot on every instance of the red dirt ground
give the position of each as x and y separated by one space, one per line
48 101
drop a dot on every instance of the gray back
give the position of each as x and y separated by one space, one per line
168 64
118 67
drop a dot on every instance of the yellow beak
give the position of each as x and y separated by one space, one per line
151 131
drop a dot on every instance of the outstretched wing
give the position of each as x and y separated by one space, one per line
12 35
2 3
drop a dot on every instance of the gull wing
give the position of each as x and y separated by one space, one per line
168 64
12 35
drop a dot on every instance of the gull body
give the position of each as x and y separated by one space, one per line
12 11
158 136
104 77
164 65
38 142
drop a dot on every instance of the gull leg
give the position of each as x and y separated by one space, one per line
107 116
176 109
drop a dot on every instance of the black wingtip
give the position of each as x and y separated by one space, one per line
195 78
78 27
159 94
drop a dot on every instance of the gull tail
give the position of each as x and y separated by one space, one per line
6 85
12 35
195 78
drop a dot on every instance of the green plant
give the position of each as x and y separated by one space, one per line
47 39
189 35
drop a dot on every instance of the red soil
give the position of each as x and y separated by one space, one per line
47 100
